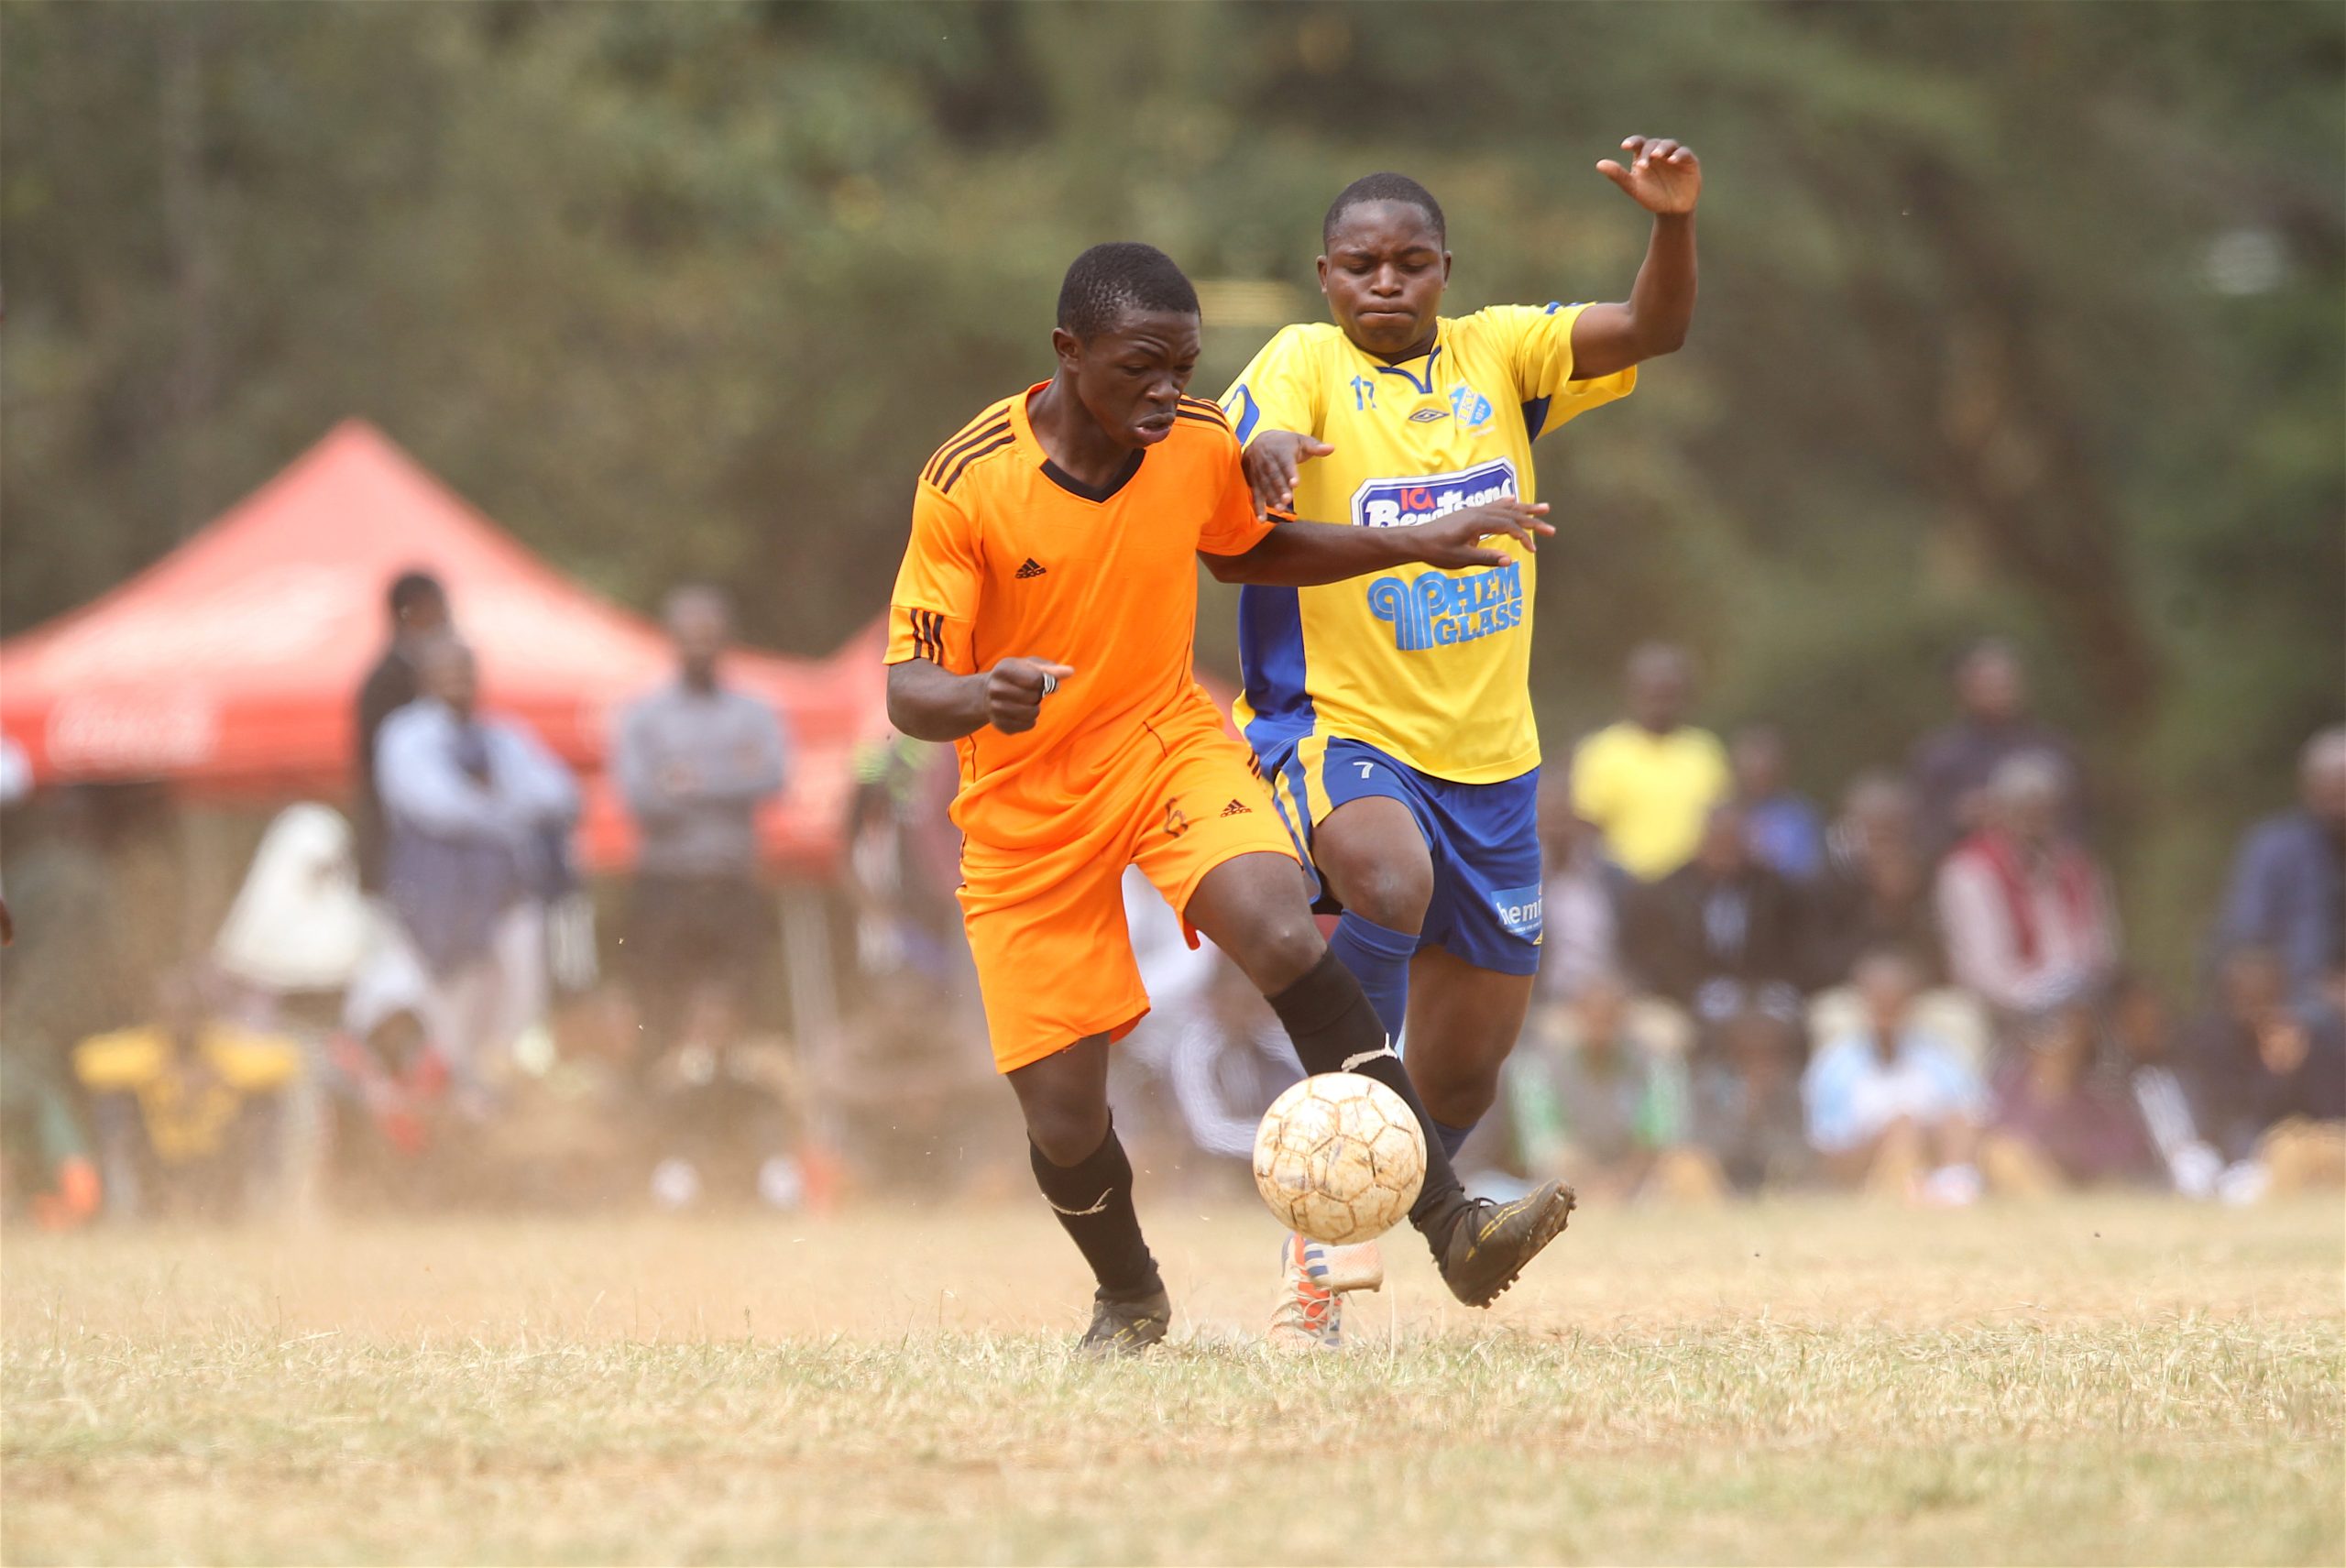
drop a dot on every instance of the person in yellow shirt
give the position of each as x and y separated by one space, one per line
1393 715
187 1110
1648 783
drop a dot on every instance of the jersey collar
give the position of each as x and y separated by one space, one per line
1024 429
1430 360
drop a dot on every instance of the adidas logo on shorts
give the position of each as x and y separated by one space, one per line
1236 808
1032 568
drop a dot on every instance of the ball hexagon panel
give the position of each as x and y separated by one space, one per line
1339 1158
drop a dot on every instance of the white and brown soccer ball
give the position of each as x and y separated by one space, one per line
1340 1158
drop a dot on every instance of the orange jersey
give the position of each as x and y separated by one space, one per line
1011 557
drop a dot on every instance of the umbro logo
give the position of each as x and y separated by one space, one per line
1236 808
1427 416
1032 568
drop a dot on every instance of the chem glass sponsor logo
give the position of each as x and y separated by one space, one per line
1518 910
1436 610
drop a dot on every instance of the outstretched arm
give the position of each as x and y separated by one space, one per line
1304 554
1665 178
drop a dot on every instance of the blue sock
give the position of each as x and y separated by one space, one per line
1453 1138
1379 958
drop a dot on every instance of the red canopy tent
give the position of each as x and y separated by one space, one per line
230 667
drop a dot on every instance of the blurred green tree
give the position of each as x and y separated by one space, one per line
2023 317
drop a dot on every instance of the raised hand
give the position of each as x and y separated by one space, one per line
1661 177
1271 460
1456 539
1015 689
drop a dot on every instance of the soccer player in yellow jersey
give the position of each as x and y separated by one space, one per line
1042 621
1392 715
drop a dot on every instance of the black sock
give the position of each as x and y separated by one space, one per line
1335 1030
1093 1200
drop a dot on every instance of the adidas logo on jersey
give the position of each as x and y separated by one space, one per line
1236 808
1032 568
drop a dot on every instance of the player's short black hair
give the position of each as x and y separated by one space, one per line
411 589
1385 187
1109 280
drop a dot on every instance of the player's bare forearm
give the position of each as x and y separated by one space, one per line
930 702
1611 338
1305 555
1661 302
1666 179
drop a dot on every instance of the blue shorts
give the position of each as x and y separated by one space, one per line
1485 840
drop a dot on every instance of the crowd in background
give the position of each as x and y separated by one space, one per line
409 1003
1926 993
1923 994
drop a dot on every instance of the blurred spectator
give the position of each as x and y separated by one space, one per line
1747 1118
911 1110
1228 1062
66 974
2141 1064
1893 1107
723 1125
904 1103
62 979
904 863
188 1110
1648 782
1199 1072
1175 975
2026 911
1722 934
297 924
1579 898
1876 889
475 810
2287 893
46 1167
2057 1124
387 1081
2262 1067
1598 1095
419 612
1787 836
695 759
1953 764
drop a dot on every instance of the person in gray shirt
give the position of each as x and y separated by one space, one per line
696 761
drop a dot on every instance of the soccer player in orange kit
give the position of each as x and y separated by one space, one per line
1043 622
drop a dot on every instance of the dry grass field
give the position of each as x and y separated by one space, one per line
2097 1380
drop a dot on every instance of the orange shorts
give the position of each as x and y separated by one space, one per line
1047 927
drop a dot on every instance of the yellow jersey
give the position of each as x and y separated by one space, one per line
188 1115
1432 667
1650 794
